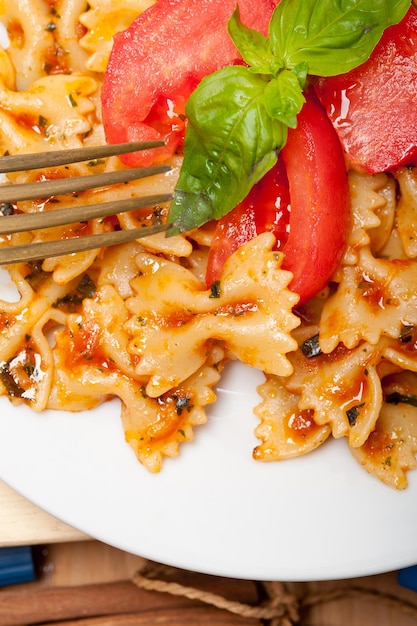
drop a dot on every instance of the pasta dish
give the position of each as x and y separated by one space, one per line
138 322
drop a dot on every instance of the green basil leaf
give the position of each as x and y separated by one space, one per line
231 142
253 46
332 36
284 98
301 71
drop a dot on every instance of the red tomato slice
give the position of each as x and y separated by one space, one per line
373 107
314 203
320 201
158 61
266 207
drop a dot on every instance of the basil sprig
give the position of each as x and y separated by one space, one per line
238 117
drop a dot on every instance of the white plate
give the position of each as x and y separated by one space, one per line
213 509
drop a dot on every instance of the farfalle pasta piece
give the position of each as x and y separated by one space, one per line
68 32
390 450
18 140
96 333
158 427
91 362
402 352
386 213
174 317
26 357
376 297
370 201
102 21
55 107
90 368
17 318
154 427
407 210
285 430
118 267
342 388
13 136
31 41
7 71
28 375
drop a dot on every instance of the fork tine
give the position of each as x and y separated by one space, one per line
33 161
59 217
47 249
60 186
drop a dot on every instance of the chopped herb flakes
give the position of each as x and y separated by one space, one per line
36 275
6 378
72 100
6 208
181 403
353 414
86 288
215 289
42 122
406 334
397 398
311 348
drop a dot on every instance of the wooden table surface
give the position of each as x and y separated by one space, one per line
83 582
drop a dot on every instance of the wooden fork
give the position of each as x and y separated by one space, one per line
45 189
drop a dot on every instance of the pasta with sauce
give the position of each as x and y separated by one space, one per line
137 322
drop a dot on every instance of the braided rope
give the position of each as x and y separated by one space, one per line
281 607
